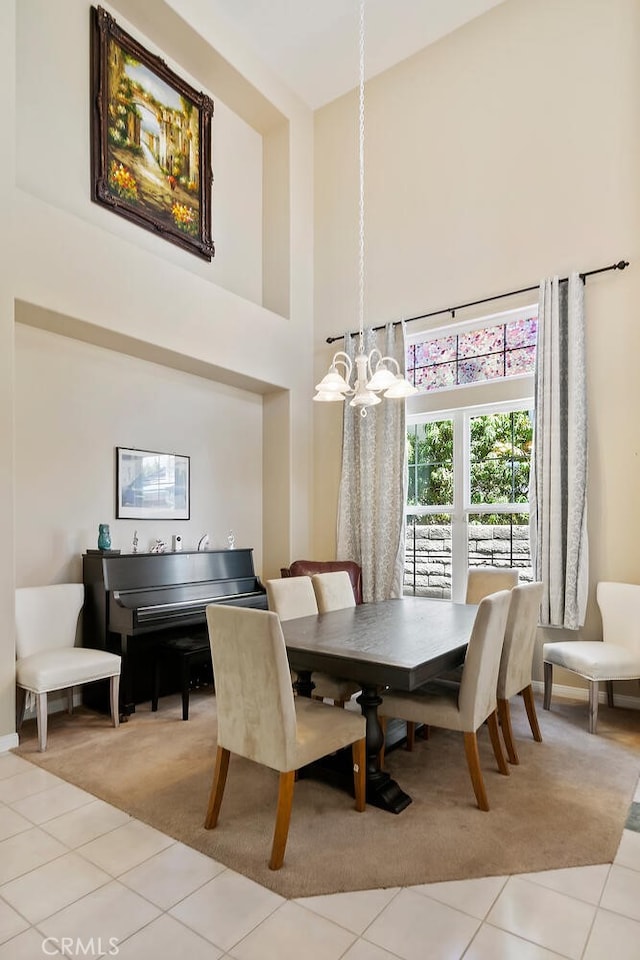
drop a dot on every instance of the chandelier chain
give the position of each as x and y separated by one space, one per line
361 172
374 373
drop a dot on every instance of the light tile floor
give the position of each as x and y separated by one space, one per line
80 878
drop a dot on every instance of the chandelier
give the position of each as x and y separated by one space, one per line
374 374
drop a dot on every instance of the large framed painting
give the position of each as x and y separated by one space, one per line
151 486
150 140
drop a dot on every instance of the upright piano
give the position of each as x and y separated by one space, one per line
134 600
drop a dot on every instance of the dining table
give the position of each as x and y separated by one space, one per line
401 643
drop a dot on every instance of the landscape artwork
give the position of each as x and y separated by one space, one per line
151 140
151 485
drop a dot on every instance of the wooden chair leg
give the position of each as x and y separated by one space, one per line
411 735
70 701
21 702
532 716
283 817
610 702
492 723
473 762
359 754
548 683
41 719
593 705
217 788
114 699
504 718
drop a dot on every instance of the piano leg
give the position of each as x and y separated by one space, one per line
127 706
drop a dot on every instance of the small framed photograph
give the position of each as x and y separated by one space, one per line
150 140
151 486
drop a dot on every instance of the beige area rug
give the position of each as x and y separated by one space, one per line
564 805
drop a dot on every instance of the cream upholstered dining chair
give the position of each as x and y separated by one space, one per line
307 568
333 591
514 675
481 581
615 657
292 597
259 718
465 707
46 656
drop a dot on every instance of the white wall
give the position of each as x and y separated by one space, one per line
74 404
506 152
8 737
72 267
53 157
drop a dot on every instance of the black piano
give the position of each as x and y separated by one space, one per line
134 600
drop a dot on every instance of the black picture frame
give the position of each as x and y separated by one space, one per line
152 485
150 140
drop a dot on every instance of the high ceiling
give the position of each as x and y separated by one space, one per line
313 44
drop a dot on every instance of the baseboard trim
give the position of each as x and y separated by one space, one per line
8 742
582 694
56 703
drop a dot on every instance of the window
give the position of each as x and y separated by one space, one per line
468 502
468 466
474 353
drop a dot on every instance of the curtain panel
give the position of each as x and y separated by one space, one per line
558 482
371 504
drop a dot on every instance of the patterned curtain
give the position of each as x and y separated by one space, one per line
558 486
371 506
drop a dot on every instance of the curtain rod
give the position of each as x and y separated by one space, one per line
620 265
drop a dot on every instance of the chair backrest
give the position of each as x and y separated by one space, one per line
619 605
519 640
482 581
333 591
477 696
292 597
302 568
254 699
47 617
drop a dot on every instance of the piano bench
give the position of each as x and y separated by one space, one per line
186 653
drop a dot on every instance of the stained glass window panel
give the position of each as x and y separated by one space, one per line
435 351
431 378
520 361
521 333
409 362
481 368
480 342
488 353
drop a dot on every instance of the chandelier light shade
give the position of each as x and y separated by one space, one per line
374 374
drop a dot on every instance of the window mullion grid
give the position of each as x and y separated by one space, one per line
460 496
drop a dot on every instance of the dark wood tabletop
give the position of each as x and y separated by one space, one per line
398 643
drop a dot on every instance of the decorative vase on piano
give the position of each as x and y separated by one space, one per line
104 537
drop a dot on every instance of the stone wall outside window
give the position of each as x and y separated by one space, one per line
428 554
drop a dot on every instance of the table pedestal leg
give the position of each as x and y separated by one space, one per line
382 791
304 684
